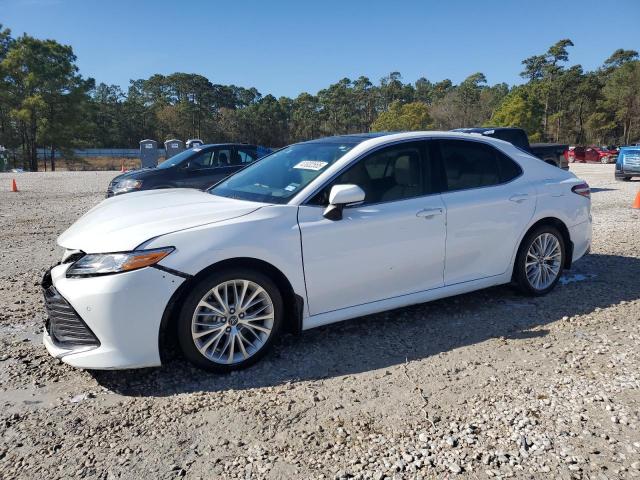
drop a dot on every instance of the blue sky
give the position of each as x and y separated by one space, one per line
287 47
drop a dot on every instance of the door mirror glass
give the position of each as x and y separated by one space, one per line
341 196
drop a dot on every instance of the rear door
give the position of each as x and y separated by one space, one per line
488 202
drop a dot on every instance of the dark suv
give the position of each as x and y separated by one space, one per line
198 167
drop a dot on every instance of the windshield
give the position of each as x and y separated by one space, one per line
281 175
178 158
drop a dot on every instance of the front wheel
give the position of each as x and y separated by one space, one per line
230 319
539 261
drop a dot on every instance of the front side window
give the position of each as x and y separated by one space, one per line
281 175
179 158
393 173
201 160
473 164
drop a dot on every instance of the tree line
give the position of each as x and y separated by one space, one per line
46 102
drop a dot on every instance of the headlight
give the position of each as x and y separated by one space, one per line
106 263
126 185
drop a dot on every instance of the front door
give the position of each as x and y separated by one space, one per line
391 245
209 167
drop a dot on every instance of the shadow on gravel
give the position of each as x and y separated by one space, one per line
412 333
597 189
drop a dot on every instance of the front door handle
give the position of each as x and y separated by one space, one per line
429 212
519 197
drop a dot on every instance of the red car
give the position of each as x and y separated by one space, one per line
593 154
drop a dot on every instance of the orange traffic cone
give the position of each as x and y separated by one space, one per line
636 202
122 167
14 187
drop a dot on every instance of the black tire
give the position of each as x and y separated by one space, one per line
190 304
626 179
519 269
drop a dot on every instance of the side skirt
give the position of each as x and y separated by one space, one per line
402 301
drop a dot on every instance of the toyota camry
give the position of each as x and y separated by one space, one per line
315 233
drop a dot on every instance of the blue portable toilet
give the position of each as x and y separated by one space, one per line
172 147
148 153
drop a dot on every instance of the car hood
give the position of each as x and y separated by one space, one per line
123 222
139 174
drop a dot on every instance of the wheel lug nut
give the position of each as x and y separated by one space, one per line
228 329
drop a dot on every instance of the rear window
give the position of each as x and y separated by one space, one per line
514 137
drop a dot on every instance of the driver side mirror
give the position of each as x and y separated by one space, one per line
342 196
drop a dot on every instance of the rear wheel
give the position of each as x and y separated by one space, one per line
230 320
539 261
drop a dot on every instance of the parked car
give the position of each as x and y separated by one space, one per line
593 154
551 153
315 233
628 163
197 167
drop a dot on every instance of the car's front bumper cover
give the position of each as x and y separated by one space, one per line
123 311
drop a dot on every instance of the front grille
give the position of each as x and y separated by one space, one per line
64 325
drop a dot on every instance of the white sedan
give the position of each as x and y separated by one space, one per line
315 233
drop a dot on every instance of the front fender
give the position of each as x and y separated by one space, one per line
270 234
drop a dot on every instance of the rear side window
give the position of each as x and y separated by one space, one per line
245 155
508 168
474 165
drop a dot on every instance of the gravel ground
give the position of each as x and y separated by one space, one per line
488 384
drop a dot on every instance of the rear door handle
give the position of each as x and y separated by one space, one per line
519 197
429 212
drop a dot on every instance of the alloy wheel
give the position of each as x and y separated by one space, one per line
543 261
232 321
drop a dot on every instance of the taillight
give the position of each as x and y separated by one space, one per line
582 189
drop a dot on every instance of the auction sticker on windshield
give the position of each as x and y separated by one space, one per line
311 165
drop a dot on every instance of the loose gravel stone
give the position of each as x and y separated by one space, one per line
489 384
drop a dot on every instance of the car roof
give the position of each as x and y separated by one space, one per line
353 138
229 144
482 129
379 138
